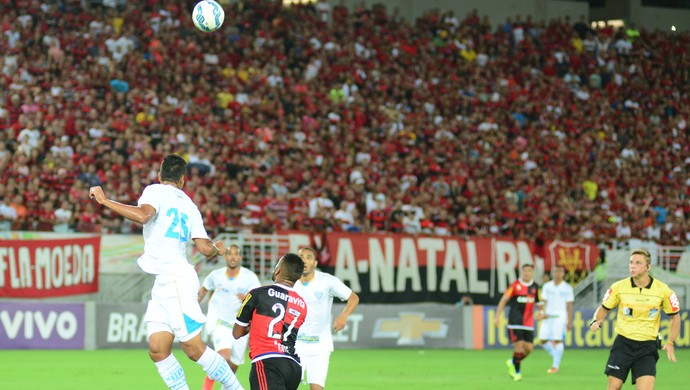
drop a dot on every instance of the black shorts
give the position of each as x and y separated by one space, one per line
275 374
521 335
627 355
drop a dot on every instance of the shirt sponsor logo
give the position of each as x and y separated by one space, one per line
286 297
675 304
525 299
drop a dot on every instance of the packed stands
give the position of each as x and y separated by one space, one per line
320 118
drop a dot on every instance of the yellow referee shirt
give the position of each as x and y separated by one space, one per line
639 307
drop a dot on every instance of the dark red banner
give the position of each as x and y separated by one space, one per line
49 268
403 268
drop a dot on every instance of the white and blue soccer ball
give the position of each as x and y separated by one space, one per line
208 15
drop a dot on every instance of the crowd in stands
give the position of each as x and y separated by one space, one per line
325 118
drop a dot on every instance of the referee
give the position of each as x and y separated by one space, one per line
640 300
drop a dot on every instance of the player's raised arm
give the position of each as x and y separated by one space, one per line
209 248
140 214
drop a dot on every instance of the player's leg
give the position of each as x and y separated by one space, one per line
545 336
238 350
222 343
316 369
160 339
558 334
210 361
511 362
187 322
558 349
160 351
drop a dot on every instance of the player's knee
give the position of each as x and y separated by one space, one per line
157 355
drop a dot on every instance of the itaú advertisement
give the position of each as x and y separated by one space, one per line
49 267
488 336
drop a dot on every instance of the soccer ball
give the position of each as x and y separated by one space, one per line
208 15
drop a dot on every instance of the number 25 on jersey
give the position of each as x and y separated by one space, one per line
178 229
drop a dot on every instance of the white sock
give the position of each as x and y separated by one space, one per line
548 347
558 354
218 369
172 373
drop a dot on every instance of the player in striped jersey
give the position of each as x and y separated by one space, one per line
522 297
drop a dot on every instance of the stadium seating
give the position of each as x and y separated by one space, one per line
357 121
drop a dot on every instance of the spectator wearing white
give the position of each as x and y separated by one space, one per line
7 216
343 217
321 201
63 218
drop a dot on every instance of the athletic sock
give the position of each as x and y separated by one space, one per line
208 383
218 369
548 347
172 373
517 358
558 354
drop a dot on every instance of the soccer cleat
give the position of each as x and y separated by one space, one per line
511 368
517 377
552 370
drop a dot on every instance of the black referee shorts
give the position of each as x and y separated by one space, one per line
275 374
627 355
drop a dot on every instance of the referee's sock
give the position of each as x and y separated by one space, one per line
218 369
517 358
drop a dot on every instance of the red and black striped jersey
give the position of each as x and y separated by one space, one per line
523 299
274 314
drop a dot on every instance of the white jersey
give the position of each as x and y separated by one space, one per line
224 303
557 297
166 235
314 335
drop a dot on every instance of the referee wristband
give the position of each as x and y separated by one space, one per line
671 343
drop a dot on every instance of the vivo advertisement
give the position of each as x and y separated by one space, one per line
41 325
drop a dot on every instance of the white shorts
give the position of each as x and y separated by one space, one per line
553 329
315 368
223 339
174 307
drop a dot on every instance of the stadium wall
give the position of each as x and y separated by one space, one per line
38 325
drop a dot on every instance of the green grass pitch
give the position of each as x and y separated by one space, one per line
350 369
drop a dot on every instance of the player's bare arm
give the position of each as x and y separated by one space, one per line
239 330
541 314
341 320
140 214
599 316
674 332
202 294
499 310
209 248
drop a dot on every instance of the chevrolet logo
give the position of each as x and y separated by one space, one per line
410 328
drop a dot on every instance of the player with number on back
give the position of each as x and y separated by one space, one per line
227 288
274 314
170 220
